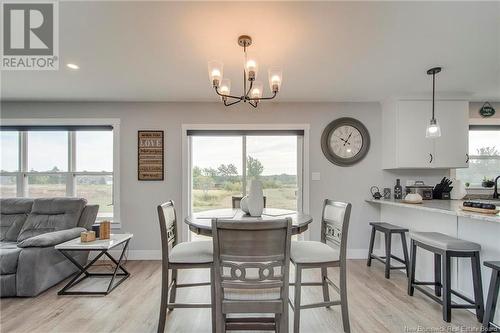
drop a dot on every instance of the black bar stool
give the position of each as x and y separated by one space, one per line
491 302
444 248
388 229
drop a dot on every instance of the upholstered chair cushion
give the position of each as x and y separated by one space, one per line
13 215
52 214
192 252
312 252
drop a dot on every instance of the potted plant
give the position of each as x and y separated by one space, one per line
488 182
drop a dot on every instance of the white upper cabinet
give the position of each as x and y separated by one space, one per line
404 145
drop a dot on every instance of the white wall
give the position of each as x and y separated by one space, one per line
139 199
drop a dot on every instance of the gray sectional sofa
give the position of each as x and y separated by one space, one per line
29 230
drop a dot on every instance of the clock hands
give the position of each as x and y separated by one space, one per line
347 141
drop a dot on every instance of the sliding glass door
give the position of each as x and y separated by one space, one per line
224 162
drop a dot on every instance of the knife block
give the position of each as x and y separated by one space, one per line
440 195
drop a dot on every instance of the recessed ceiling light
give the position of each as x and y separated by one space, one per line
72 66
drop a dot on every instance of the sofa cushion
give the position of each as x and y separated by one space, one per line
52 214
8 258
13 215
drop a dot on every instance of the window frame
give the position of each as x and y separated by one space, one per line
71 175
475 123
302 162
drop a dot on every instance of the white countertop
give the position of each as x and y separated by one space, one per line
450 207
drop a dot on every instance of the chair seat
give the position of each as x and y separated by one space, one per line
445 242
382 226
192 253
303 252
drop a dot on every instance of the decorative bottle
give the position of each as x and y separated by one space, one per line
398 190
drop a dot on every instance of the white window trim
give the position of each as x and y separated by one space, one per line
302 170
115 122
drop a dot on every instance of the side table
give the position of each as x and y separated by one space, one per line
102 246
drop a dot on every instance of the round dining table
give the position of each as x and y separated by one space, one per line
201 223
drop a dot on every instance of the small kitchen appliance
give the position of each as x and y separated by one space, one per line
425 191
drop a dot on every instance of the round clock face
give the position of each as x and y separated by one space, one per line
345 141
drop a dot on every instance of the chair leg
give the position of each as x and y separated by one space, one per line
437 274
446 263
405 253
164 300
173 291
296 303
343 297
413 261
491 301
388 238
370 248
478 286
326 294
213 299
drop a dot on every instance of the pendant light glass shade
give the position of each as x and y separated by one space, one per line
433 130
257 89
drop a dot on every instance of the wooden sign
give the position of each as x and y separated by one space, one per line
150 155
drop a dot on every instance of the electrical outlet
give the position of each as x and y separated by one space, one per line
315 176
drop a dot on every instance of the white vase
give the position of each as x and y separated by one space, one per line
256 198
244 204
458 191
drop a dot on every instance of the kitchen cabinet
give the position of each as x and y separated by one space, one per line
404 145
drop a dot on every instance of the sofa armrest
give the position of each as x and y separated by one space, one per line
51 238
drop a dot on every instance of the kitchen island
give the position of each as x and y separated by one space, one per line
445 216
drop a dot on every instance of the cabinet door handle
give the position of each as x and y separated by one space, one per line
431 158
467 158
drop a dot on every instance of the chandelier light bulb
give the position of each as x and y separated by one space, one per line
275 78
215 72
251 67
225 87
256 91
433 129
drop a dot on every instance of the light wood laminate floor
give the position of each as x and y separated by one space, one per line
375 303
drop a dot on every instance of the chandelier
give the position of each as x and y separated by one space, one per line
252 95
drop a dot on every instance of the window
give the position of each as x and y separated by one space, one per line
224 162
57 161
484 155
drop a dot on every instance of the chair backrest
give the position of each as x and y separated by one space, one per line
335 224
252 255
168 228
237 200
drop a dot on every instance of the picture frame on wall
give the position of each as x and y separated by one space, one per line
150 155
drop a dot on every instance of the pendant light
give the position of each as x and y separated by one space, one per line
433 129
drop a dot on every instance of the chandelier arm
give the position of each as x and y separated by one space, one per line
263 98
249 89
223 95
232 103
253 104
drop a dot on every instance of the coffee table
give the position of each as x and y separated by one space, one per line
102 246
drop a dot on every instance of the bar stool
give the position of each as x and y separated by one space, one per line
388 229
491 302
446 247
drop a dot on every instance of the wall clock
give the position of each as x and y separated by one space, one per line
345 141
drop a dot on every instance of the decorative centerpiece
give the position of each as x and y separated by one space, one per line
253 203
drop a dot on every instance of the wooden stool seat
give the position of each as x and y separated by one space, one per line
491 302
445 248
389 229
